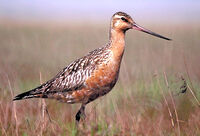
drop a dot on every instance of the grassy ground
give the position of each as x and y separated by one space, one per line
144 101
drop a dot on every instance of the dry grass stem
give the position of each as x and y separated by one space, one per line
194 95
172 99
14 106
44 109
168 108
188 75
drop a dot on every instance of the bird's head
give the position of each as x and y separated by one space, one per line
122 22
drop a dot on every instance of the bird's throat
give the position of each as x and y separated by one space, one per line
117 40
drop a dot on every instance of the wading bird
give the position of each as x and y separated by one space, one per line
93 75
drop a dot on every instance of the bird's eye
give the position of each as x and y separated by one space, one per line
124 19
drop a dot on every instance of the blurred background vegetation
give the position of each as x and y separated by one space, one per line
39 38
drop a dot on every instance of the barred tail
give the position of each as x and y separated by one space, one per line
25 95
34 93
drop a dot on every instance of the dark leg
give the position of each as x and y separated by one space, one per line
81 113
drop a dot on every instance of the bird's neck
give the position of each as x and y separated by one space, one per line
117 43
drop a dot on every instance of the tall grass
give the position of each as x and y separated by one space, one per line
144 101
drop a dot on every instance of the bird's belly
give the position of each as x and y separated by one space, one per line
84 95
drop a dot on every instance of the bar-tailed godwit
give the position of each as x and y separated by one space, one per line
93 75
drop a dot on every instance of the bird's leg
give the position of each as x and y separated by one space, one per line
81 113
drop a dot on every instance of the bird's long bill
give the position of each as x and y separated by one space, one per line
139 28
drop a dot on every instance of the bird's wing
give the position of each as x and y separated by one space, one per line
74 75
70 78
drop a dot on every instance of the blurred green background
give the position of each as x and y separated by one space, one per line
43 37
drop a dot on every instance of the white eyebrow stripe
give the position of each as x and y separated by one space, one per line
118 16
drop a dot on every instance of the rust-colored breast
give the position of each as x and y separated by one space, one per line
103 79
103 76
